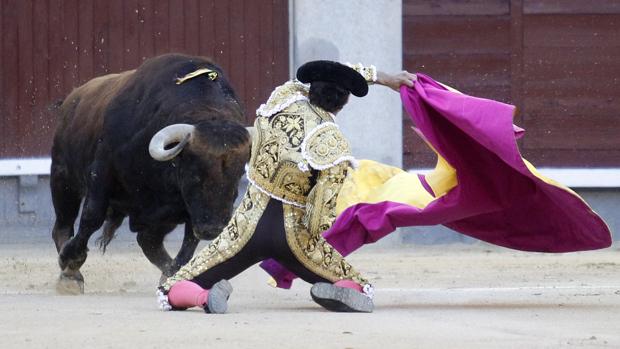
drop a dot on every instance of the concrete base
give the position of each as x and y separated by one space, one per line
27 215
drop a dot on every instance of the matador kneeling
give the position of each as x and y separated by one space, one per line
298 163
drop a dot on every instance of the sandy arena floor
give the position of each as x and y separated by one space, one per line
460 296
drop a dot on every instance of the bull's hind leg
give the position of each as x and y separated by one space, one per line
113 221
73 253
66 199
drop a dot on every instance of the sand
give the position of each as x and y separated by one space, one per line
459 296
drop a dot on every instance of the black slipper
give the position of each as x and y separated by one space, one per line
217 301
340 299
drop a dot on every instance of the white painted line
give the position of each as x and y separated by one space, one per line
572 177
24 167
584 177
499 289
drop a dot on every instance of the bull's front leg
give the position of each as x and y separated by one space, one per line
188 247
151 241
74 252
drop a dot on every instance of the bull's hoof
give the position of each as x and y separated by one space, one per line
70 284
69 258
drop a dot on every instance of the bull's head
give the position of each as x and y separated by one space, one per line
209 160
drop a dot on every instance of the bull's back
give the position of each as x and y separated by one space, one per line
81 117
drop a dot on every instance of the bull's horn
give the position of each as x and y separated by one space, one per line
251 131
177 133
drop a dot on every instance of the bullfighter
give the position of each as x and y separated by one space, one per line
298 162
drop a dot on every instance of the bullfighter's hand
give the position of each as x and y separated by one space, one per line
395 81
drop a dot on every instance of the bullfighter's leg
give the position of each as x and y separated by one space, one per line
66 200
201 287
233 251
337 285
209 289
151 241
259 247
74 252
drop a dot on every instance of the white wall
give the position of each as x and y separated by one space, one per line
367 31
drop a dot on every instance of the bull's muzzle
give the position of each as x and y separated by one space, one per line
207 231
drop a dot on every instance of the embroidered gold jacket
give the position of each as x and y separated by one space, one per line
293 140
294 145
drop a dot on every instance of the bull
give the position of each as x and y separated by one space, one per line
142 145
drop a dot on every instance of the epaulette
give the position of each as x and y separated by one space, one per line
325 146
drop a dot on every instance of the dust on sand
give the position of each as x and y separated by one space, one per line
465 296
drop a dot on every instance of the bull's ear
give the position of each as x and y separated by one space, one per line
177 133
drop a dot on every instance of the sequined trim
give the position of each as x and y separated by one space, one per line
162 300
273 196
283 96
368 290
369 73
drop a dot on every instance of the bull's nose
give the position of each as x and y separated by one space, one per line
207 231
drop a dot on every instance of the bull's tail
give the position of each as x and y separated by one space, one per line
113 221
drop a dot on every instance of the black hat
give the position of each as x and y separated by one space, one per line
334 72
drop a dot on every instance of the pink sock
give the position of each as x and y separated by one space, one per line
349 284
187 294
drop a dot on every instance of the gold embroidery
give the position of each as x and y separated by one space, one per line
321 203
292 127
276 151
314 252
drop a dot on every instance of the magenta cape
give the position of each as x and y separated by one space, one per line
497 198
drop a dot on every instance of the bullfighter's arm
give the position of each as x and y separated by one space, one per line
374 76
326 150
321 203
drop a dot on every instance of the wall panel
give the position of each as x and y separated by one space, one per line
50 47
557 61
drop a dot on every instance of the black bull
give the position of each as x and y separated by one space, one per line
108 127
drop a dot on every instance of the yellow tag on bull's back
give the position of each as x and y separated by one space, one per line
210 73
